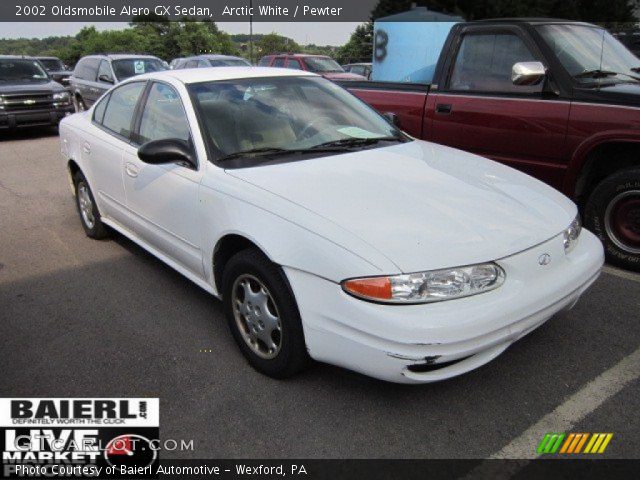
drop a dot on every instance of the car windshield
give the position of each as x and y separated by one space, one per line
229 62
285 114
322 64
129 67
52 64
21 70
589 53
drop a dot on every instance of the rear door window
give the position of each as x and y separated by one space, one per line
118 115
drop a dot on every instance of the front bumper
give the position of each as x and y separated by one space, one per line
431 342
33 118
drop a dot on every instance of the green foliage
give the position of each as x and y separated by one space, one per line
274 43
151 35
358 48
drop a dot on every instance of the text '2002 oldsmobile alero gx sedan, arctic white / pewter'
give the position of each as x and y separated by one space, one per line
328 233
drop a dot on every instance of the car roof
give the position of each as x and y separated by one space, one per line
212 56
47 58
534 21
16 57
197 75
119 56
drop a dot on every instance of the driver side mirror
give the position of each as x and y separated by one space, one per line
169 150
528 73
105 78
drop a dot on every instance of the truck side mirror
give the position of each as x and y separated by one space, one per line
528 73
392 118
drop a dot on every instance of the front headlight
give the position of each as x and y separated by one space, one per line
571 234
61 97
426 287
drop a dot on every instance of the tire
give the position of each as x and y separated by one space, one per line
266 280
613 214
78 104
88 210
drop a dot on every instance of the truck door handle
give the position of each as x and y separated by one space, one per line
443 108
86 148
131 170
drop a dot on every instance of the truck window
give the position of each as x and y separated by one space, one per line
484 63
294 64
279 62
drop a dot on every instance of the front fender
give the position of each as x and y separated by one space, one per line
289 235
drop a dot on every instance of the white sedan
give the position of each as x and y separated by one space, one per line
328 233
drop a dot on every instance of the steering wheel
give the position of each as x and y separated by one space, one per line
312 126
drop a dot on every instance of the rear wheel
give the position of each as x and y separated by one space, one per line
263 315
613 213
88 210
78 104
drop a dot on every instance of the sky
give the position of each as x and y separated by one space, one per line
320 33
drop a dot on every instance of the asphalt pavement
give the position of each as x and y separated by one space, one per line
86 318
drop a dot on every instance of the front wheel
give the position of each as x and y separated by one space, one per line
613 213
263 315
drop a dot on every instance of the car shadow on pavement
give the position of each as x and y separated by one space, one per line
28 133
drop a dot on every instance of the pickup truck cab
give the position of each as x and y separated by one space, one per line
559 100
95 74
28 95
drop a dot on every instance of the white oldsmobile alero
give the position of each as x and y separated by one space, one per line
327 232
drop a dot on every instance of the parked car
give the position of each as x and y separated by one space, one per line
363 69
57 70
327 232
28 95
559 100
320 64
205 61
95 74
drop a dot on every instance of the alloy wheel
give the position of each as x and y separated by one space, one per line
86 206
257 316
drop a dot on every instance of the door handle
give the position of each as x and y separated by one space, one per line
86 148
443 108
131 170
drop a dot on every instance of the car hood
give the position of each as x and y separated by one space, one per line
40 87
343 76
618 94
422 206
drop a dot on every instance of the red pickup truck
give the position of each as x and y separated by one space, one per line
559 100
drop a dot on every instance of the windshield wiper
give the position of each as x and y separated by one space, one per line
272 151
597 73
355 142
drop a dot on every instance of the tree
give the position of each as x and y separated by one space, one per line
274 43
359 46
600 11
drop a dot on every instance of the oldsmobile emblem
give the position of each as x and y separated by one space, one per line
544 259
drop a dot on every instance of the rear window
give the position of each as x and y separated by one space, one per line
264 62
129 67
229 62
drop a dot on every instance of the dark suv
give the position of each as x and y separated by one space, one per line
95 74
56 69
28 95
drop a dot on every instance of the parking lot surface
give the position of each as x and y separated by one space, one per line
86 318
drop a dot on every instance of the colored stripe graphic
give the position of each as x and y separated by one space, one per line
550 443
574 443
598 443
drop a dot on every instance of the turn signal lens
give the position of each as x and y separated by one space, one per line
378 288
571 234
425 287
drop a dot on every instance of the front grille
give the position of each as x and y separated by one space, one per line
26 101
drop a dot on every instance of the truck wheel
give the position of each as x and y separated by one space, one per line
79 104
88 210
613 213
263 315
